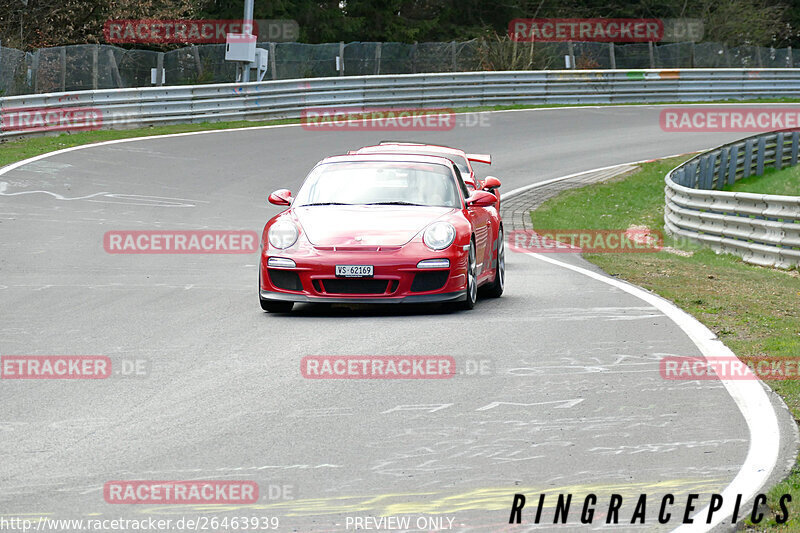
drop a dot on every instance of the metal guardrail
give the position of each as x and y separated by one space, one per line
763 229
127 108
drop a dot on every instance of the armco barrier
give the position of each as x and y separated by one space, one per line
126 108
763 229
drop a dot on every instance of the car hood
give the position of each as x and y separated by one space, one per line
363 225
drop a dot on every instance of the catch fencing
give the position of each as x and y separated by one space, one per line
100 66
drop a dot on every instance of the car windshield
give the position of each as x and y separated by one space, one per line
379 183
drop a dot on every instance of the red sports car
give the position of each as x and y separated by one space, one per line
381 228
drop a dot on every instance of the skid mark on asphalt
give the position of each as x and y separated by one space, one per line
113 198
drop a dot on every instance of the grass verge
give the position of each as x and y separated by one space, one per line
785 181
755 311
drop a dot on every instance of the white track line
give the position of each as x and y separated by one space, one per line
749 394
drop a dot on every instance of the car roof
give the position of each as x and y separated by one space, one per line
392 157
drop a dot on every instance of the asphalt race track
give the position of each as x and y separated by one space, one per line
572 402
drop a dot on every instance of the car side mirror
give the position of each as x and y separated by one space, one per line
490 184
481 199
281 197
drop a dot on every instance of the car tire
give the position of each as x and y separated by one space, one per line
472 278
495 289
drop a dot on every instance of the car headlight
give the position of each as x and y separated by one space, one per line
439 235
283 234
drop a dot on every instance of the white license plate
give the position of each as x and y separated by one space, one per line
354 271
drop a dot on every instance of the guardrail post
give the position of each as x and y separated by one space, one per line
691 174
707 174
723 168
762 147
748 158
779 151
795 137
732 162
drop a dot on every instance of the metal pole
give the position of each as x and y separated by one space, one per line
571 53
160 69
248 17
612 57
272 63
652 55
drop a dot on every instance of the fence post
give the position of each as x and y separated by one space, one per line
95 50
341 58
63 68
114 68
453 49
197 64
652 54
378 58
414 58
272 62
160 69
692 56
35 72
795 138
789 58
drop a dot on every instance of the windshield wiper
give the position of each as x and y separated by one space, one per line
324 203
392 203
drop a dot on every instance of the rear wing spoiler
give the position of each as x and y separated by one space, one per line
480 158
